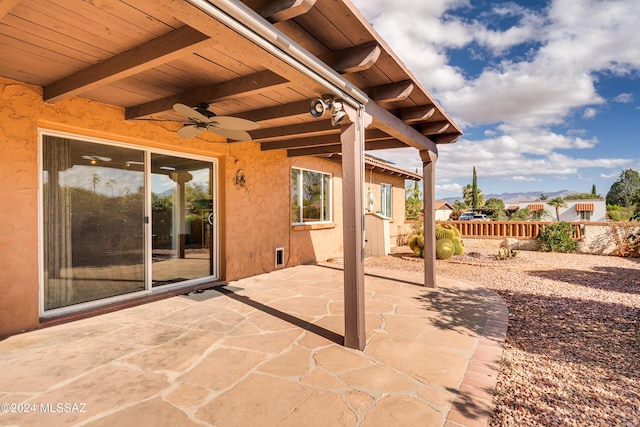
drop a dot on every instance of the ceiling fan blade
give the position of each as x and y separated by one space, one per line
235 134
235 123
189 131
190 113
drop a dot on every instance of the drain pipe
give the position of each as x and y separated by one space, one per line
246 22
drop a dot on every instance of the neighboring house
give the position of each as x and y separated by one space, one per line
593 210
443 210
110 201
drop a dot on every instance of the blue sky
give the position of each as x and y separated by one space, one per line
547 92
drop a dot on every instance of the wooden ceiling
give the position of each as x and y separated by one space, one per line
146 55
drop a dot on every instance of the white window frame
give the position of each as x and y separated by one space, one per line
329 214
585 215
384 203
148 289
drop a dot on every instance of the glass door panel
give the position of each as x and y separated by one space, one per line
93 211
182 219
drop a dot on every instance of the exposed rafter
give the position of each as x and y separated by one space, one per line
353 59
143 57
337 148
371 135
434 128
278 111
391 92
245 85
446 138
282 10
390 124
417 114
312 141
314 128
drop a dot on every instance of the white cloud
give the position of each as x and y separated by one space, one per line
624 98
610 175
521 101
589 113
453 188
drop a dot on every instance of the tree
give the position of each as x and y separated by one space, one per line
497 209
543 196
635 200
474 191
557 202
594 193
413 202
523 214
623 190
467 191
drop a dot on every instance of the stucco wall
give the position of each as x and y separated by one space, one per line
372 183
251 222
254 219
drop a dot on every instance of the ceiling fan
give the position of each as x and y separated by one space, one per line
201 119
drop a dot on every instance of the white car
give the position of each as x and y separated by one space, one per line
466 216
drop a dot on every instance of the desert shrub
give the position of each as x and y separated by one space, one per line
557 238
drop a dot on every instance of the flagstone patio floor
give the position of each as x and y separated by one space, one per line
266 350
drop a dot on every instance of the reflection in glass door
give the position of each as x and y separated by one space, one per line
182 219
93 221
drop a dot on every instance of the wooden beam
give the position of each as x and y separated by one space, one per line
337 148
276 112
314 128
417 114
433 128
143 57
391 92
195 17
314 151
353 59
282 10
241 86
446 138
393 126
429 190
313 141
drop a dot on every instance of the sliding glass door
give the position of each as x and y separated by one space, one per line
121 220
182 219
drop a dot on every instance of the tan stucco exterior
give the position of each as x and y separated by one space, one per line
254 219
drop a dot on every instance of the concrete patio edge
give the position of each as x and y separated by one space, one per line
474 403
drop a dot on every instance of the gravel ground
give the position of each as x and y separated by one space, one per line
572 353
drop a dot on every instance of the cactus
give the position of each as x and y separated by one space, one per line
445 248
459 246
506 253
454 229
413 242
443 233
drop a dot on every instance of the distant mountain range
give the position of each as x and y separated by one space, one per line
514 198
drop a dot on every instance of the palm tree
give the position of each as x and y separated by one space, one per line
557 202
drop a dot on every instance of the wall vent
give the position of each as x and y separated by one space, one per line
279 258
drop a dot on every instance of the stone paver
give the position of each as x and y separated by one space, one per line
266 348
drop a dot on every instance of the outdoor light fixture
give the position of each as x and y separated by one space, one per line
319 106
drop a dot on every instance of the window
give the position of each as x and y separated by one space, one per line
385 200
585 216
310 196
